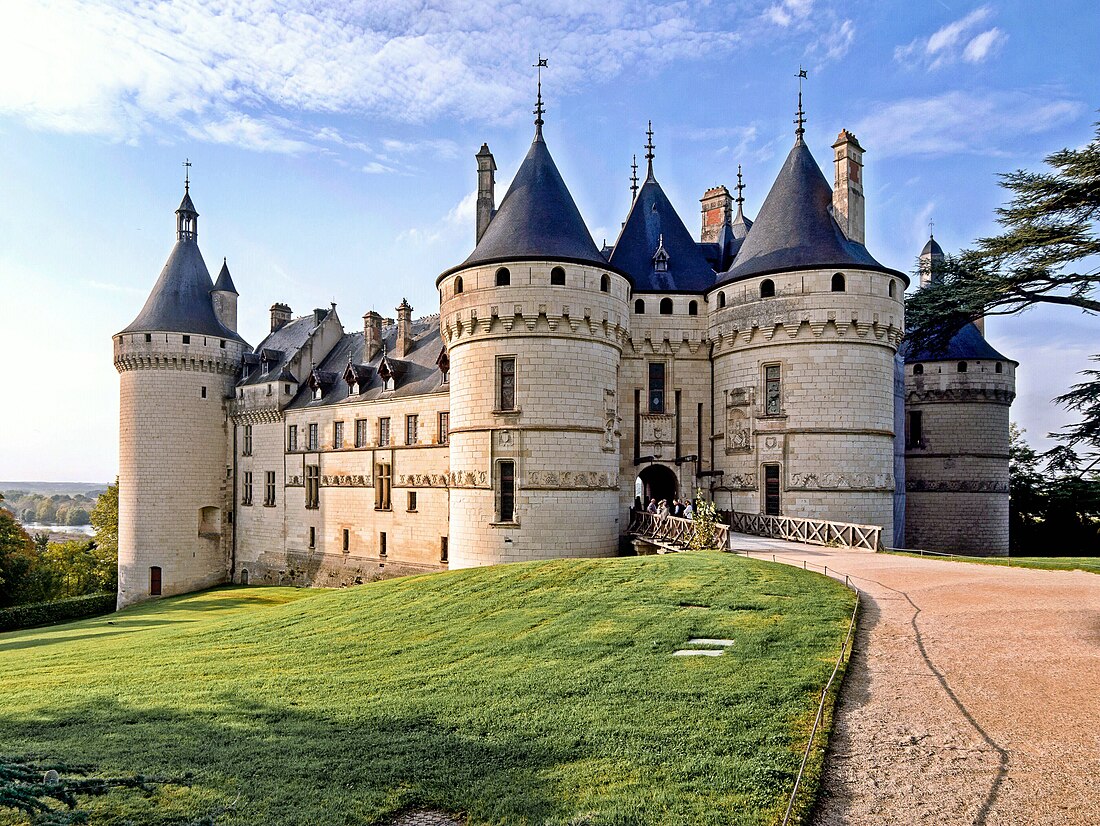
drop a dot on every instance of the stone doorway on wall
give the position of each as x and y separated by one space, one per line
658 482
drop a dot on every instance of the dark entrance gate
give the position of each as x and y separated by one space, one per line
771 490
658 482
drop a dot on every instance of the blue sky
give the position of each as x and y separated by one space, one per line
333 145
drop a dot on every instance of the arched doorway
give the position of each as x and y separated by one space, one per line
658 482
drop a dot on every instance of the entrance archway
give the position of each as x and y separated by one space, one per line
658 482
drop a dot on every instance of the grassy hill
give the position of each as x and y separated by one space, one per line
521 694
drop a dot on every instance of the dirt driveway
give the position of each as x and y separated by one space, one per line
973 694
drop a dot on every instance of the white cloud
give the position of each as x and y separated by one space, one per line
835 43
441 148
957 40
786 12
962 122
458 222
228 72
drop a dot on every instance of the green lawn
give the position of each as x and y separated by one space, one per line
521 694
1046 563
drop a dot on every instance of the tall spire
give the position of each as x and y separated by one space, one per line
649 152
740 192
539 110
800 119
187 217
634 178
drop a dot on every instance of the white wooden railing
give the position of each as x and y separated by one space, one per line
673 530
810 531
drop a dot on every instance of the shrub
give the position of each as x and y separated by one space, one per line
61 610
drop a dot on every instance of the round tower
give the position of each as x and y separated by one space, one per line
533 321
805 325
957 400
177 364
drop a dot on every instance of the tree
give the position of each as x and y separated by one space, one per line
1044 256
17 556
105 521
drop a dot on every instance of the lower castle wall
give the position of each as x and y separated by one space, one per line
954 522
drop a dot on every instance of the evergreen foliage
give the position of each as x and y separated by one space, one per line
1046 255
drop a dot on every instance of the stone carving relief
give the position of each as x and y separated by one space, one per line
840 481
468 479
738 436
658 428
354 480
956 486
422 480
571 480
738 481
611 430
739 397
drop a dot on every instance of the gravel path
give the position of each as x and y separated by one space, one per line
971 695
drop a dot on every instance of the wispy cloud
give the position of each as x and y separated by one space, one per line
835 43
440 148
958 40
787 12
456 223
254 73
963 122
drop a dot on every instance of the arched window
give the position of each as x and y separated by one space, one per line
557 277
918 370
244 576
666 306
605 284
893 288
639 307
721 300
997 368
838 282
767 288
458 285
504 278
693 308
961 367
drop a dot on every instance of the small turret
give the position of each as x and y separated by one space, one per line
486 189
224 296
849 205
717 212
280 316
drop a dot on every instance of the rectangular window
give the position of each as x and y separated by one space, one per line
312 437
292 438
411 423
382 479
313 537
347 540
914 436
506 368
773 391
507 492
384 431
313 486
247 440
443 549
246 488
771 490
412 500
187 339
203 393
360 432
269 489
444 428
381 543
337 435
656 387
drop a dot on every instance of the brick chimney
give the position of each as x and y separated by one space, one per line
372 335
486 189
404 344
717 212
849 205
280 316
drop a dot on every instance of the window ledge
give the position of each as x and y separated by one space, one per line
515 411
512 524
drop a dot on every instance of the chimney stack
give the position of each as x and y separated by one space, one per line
849 205
372 335
280 316
486 189
404 343
717 212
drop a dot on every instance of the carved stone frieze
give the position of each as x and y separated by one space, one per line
571 480
955 486
346 480
840 481
999 395
468 479
658 428
422 480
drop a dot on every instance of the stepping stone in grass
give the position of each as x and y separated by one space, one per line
699 652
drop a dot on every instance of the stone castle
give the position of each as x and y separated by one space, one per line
559 382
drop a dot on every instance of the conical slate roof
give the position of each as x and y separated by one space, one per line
795 228
932 247
225 281
186 204
967 343
537 219
653 221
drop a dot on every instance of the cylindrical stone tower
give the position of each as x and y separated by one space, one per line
177 365
533 321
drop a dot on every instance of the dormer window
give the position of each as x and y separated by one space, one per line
444 363
318 393
660 257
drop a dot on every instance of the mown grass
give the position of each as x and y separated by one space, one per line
540 693
1045 563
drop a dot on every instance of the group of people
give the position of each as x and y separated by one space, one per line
682 508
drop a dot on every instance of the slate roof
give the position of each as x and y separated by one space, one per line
281 345
537 219
795 228
225 281
180 301
653 220
418 371
967 343
932 248
186 204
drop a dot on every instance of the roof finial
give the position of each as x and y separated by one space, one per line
649 152
800 120
740 193
186 174
931 224
634 178
539 110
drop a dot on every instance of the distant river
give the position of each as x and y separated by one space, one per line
36 527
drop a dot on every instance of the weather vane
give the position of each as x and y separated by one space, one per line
540 65
740 189
634 177
801 119
649 149
187 174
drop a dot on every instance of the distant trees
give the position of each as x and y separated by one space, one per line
58 509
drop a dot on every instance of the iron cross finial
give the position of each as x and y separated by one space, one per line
540 64
649 149
800 120
931 224
186 174
634 178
